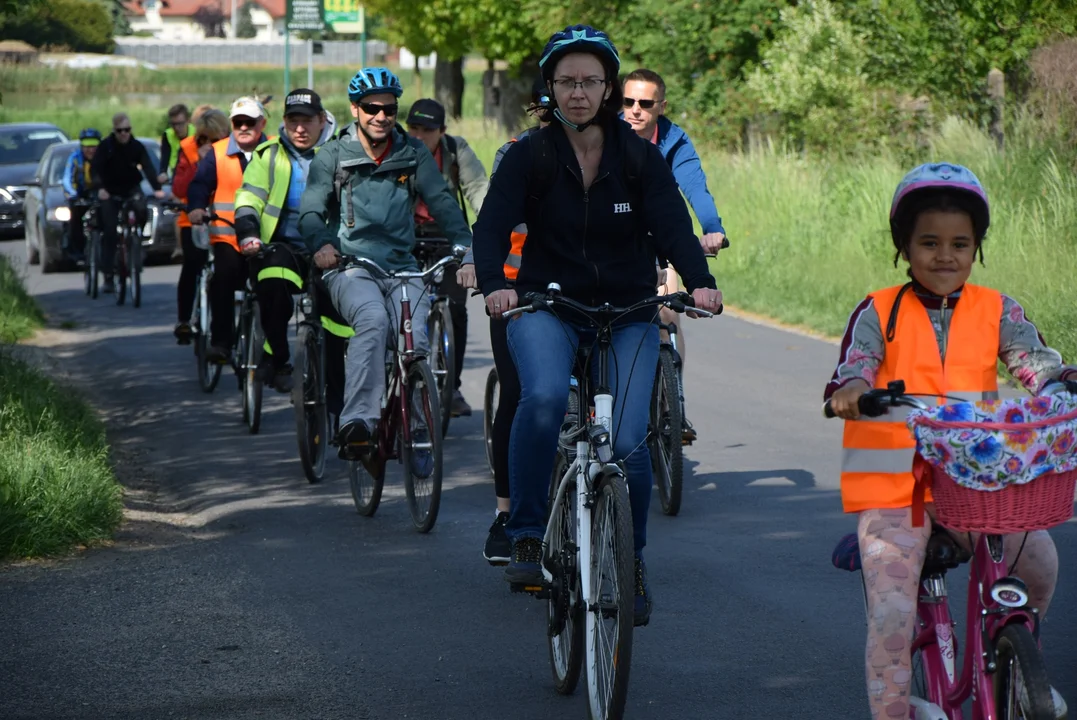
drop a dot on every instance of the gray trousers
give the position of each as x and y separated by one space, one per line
372 308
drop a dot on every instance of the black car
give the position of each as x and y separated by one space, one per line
21 148
48 214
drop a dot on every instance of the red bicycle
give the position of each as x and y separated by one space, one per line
410 427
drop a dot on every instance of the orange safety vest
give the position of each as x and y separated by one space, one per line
229 180
516 252
878 453
190 151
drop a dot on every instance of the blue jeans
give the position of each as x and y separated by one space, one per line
544 351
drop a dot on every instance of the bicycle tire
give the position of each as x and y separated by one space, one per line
311 422
91 265
489 411
366 488
120 266
442 357
611 534
1018 655
134 262
667 427
564 607
208 373
421 386
253 386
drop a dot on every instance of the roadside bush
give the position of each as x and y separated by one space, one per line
78 25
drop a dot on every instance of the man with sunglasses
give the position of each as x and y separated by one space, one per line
360 200
644 111
219 176
116 172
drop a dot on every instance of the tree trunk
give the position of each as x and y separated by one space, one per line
449 86
505 98
418 79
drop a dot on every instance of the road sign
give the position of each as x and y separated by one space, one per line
344 16
305 15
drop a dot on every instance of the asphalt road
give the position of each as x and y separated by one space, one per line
239 591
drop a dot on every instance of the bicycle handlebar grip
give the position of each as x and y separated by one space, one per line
828 412
869 404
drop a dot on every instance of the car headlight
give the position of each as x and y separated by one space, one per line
6 195
60 214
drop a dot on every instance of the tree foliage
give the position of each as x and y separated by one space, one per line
210 17
244 23
78 25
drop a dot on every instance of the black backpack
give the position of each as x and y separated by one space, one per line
544 169
454 172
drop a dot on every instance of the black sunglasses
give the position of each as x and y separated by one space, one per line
373 109
645 104
241 121
122 130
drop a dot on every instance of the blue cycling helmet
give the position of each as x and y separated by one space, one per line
374 80
579 38
89 137
931 178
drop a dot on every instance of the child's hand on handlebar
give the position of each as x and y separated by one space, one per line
844 401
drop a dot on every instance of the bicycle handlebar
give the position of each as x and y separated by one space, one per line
877 402
427 276
678 302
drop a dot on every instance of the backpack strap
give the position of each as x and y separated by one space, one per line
454 173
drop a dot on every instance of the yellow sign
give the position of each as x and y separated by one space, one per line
344 16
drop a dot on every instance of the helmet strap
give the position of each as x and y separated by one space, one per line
568 123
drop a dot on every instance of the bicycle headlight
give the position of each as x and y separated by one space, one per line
600 441
1010 592
306 304
438 276
60 214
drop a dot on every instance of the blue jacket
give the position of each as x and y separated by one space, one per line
683 160
74 175
593 243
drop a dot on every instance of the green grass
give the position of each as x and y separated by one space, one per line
56 486
811 237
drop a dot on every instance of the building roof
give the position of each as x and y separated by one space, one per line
187 8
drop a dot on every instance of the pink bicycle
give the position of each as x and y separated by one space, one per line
1002 669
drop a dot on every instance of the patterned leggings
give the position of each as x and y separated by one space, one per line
892 553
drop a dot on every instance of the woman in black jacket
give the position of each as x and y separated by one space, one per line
584 233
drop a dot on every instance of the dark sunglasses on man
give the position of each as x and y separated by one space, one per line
122 130
645 104
240 122
372 109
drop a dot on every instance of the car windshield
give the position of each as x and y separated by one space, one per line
56 162
26 145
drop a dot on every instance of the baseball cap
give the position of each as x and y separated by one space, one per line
303 102
427 113
248 107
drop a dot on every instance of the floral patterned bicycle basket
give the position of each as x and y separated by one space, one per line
981 460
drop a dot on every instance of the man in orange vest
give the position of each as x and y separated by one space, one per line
219 176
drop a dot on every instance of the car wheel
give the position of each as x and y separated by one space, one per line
32 255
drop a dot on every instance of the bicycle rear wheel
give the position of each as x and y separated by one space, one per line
1022 691
253 386
421 456
311 422
489 410
134 262
442 357
565 611
667 427
120 265
610 618
208 372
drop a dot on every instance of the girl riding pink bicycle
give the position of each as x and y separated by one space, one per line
943 337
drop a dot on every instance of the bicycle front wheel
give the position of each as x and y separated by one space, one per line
565 611
366 487
311 421
252 386
610 616
420 445
93 245
442 358
489 409
134 262
1022 691
208 372
667 427
120 265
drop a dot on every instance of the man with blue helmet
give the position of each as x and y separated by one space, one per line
360 200
78 184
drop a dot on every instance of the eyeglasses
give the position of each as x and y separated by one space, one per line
569 84
373 109
645 104
122 130
242 121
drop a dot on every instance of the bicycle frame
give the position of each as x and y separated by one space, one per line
985 619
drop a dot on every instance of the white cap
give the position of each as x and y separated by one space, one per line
247 106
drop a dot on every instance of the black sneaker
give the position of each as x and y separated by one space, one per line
354 441
498 549
282 379
459 406
109 287
642 611
525 567
183 333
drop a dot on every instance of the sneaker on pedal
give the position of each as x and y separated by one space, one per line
183 333
688 433
354 441
218 354
642 609
282 379
525 565
459 407
498 549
